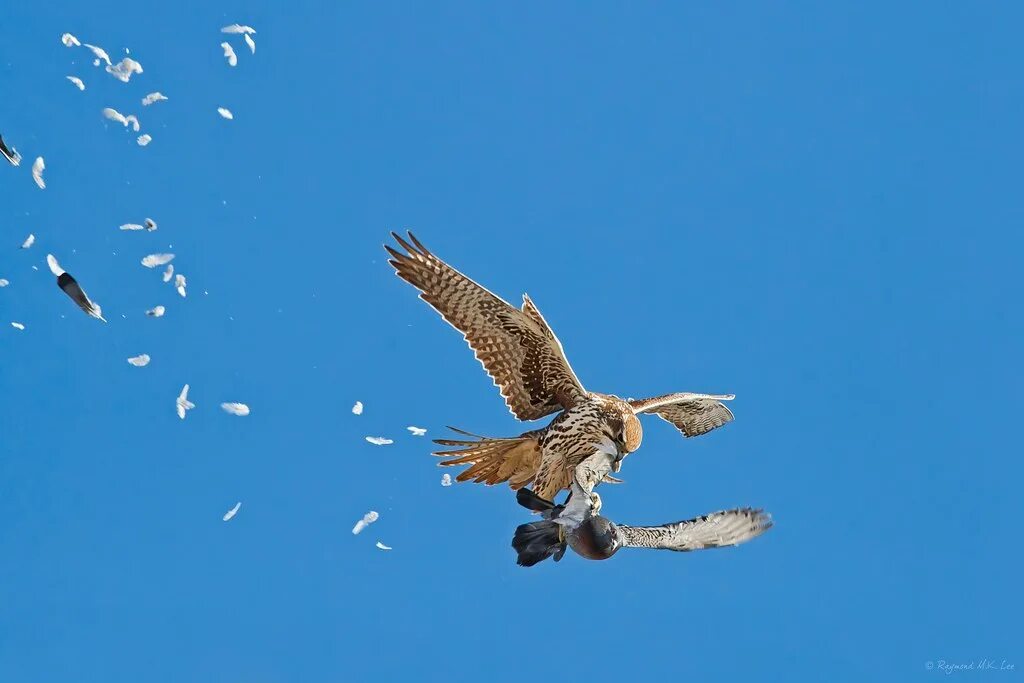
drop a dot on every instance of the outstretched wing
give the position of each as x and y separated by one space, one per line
729 527
692 414
517 348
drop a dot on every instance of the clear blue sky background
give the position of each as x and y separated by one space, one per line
816 208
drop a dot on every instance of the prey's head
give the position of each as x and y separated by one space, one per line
596 538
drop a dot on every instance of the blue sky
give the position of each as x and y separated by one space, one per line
815 207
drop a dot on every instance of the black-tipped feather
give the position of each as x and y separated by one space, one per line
536 542
531 501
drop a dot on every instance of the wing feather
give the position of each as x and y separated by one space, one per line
718 529
692 414
516 347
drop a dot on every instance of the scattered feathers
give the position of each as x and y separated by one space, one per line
251 43
237 28
37 172
124 69
239 409
70 286
368 519
357 409
154 260
232 512
379 544
226 113
156 312
9 153
153 97
416 431
69 40
29 241
182 403
140 361
446 479
379 441
229 53
100 54
77 81
144 139
19 326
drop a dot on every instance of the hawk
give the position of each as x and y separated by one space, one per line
524 358
578 524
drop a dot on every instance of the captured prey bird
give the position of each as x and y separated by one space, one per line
578 524
523 356
74 290
9 153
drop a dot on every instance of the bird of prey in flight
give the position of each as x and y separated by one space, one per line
524 358
578 524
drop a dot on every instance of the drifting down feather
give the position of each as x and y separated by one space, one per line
154 260
37 172
153 97
239 409
100 54
237 28
124 69
182 403
229 52
368 519
232 512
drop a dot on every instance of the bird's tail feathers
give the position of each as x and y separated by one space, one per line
492 461
537 541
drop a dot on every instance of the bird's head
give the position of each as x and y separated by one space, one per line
595 539
632 432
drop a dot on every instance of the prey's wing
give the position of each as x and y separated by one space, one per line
728 527
692 414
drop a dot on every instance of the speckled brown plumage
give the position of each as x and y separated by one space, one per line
521 353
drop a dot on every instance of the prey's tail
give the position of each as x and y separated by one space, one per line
537 541
492 461
531 501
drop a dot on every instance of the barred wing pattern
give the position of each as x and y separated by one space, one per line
517 348
718 529
692 414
